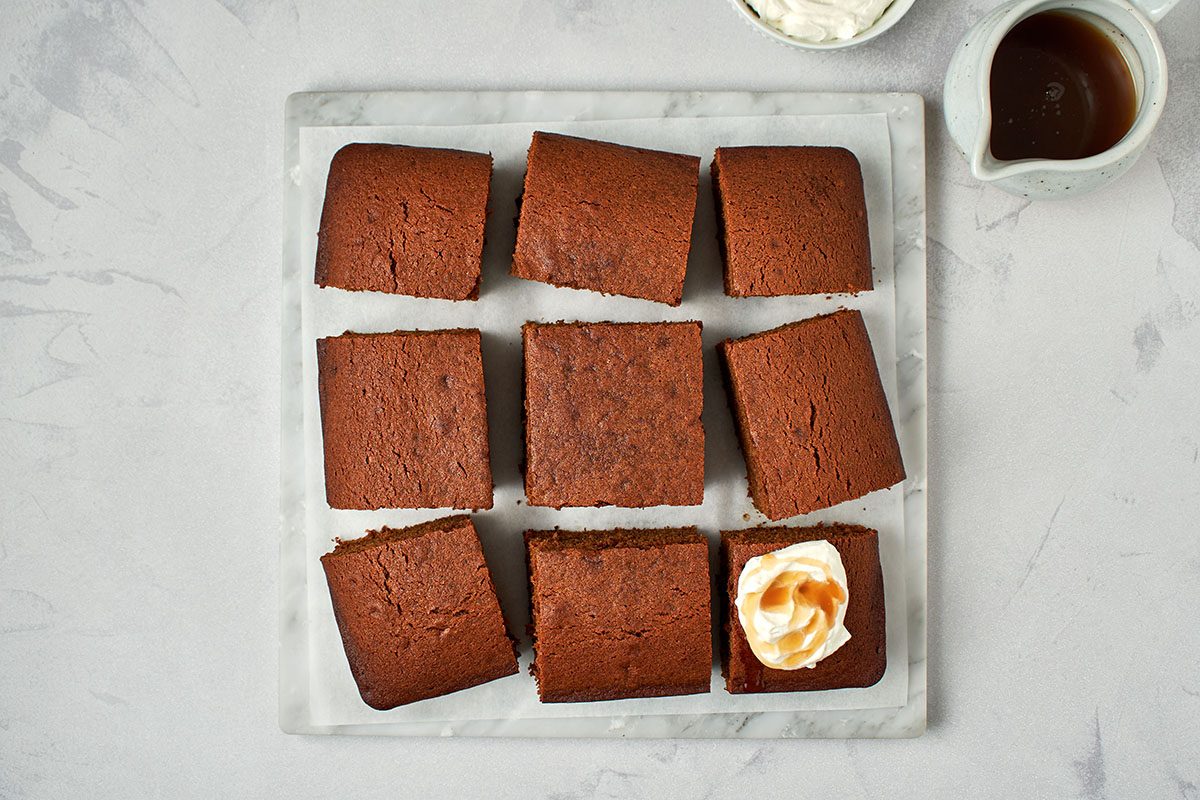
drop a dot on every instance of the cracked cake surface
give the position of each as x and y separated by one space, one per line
619 613
606 217
404 220
811 414
417 612
791 221
404 420
613 414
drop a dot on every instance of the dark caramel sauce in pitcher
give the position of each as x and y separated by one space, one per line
1060 89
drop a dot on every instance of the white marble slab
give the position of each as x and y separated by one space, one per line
308 702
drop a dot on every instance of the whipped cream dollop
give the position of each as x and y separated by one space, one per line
820 20
792 604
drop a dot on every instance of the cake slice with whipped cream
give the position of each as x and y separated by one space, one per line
804 609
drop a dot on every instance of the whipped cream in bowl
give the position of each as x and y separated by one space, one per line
791 604
822 24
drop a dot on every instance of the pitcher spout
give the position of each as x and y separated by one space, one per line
983 166
989 169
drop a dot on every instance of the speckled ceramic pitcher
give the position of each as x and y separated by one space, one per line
967 97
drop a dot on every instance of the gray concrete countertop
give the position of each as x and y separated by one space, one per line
140 209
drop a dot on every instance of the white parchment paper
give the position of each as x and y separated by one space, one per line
504 304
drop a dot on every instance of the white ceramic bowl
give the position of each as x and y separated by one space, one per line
890 17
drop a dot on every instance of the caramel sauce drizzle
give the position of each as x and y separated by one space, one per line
819 600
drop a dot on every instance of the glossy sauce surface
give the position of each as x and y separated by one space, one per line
1060 89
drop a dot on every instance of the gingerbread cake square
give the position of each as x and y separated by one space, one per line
404 420
418 612
811 414
404 220
612 414
860 662
622 613
606 217
792 220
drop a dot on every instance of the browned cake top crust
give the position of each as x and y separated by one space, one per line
404 420
606 217
793 220
418 612
811 414
622 613
613 414
860 662
404 220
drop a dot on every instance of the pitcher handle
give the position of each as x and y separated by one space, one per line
1154 9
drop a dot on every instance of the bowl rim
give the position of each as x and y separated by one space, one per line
890 16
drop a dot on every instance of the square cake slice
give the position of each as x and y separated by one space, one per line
623 613
811 414
606 217
404 220
612 414
859 662
418 612
792 220
404 420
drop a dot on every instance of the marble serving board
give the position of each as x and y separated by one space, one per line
886 132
